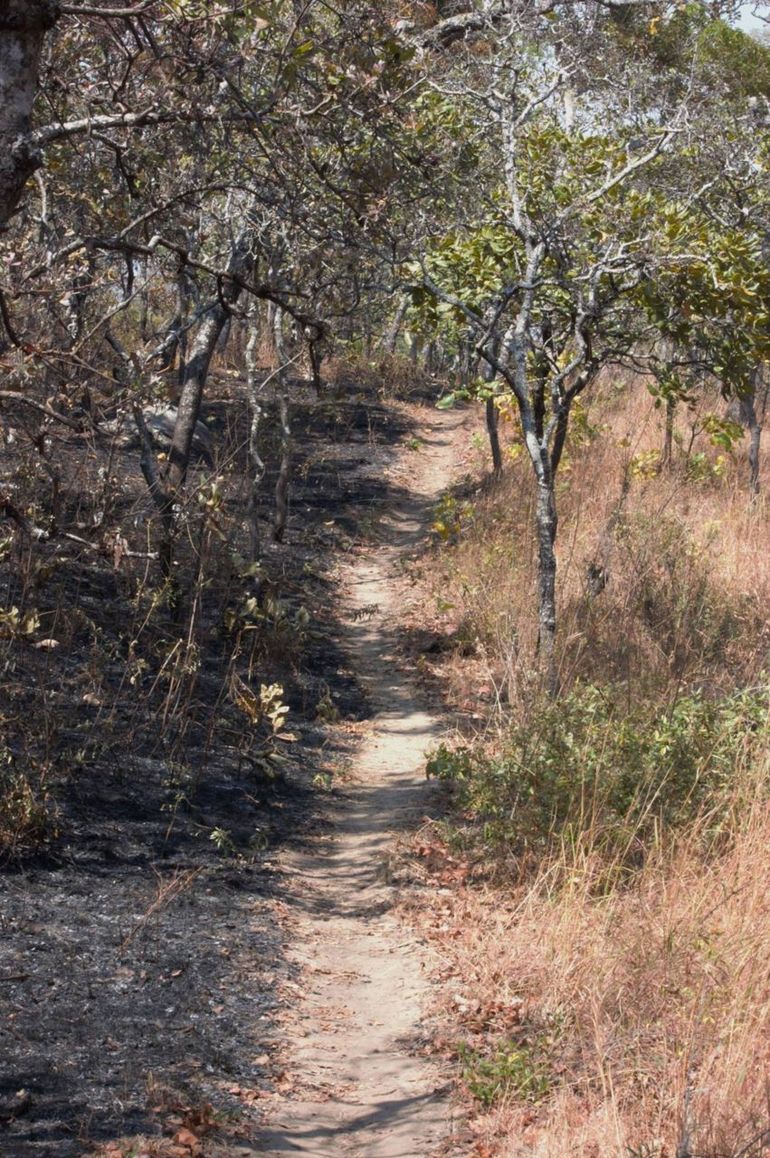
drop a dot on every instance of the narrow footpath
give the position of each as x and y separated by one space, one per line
360 1087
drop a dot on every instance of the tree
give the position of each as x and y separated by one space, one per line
23 27
581 224
187 151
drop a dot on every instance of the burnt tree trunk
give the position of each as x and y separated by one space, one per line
316 361
256 465
23 26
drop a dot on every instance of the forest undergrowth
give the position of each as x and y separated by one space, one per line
603 920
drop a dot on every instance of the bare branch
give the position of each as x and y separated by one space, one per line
44 136
17 396
632 166
93 10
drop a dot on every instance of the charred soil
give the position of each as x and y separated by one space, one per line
156 917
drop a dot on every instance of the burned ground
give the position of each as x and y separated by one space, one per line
141 959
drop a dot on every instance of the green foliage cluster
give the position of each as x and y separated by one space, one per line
516 1068
588 763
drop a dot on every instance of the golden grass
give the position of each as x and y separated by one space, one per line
654 999
650 997
687 562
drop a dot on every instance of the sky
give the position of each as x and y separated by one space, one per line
749 22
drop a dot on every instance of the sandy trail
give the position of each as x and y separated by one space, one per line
360 1088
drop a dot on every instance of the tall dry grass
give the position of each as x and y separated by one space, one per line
653 999
645 994
684 560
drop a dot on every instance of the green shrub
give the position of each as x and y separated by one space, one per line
515 1068
584 764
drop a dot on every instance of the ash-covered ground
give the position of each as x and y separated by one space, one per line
142 955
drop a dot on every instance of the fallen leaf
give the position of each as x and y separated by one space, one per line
186 1137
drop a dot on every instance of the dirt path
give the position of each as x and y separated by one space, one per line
359 1087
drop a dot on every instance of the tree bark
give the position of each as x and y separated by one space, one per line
256 464
197 365
748 412
547 523
23 26
493 432
316 361
668 436
284 470
390 341
492 416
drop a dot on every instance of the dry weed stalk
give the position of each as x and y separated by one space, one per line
168 889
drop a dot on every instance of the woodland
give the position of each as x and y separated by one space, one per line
257 260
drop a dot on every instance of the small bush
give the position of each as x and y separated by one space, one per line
583 765
27 811
515 1068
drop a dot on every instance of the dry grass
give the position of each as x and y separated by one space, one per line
685 561
653 1000
646 994
392 376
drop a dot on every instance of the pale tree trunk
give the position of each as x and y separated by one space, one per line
197 364
748 412
547 523
256 465
390 340
284 470
168 488
23 25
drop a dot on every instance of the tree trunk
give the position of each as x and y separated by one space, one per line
188 409
748 413
197 366
668 436
23 25
547 523
390 340
256 465
493 418
493 431
316 361
284 470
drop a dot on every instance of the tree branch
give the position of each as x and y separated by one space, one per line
17 396
92 10
49 133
